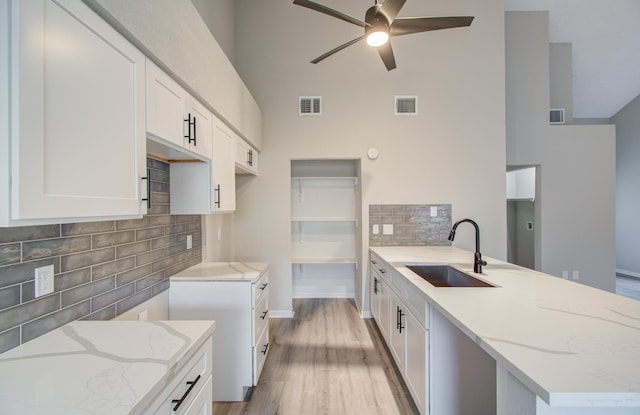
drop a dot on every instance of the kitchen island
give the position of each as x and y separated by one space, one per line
110 368
558 346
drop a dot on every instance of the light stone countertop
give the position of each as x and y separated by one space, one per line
97 367
572 345
223 271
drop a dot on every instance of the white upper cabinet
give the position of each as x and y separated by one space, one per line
176 121
224 179
73 136
246 158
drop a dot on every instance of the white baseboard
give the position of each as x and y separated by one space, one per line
280 313
367 314
628 273
328 294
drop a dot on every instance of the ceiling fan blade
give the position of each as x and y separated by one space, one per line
391 8
338 49
328 11
406 26
386 53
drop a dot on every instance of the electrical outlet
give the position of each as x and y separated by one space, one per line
376 229
565 275
434 211
189 241
576 275
44 280
219 234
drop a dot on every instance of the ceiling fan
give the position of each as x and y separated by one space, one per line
380 23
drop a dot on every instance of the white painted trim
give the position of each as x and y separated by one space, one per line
328 294
367 314
280 313
628 273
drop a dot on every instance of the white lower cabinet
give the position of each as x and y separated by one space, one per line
240 308
402 315
189 392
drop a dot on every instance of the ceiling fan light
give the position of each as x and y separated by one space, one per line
377 38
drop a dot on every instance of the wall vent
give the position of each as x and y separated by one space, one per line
556 116
406 105
310 106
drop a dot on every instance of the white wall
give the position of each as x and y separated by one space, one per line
219 16
627 122
452 152
561 79
577 162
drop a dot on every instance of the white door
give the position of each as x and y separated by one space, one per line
385 309
397 332
165 104
78 101
224 178
198 128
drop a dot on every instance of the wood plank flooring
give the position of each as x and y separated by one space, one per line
326 360
627 286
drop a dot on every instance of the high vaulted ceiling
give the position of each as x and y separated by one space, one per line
606 49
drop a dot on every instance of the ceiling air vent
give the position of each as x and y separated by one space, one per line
406 105
556 116
310 106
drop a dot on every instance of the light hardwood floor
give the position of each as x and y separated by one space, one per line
627 286
326 360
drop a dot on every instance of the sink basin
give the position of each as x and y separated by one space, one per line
445 276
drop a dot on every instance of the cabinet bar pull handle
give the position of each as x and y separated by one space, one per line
148 179
178 402
397 317
264 314
217 189
263 286
189 125
195 136
375 285
400 326
382 270
266 346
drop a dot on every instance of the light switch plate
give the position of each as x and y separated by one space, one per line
44 280
376 229
434 211
387 229
576 275
189 241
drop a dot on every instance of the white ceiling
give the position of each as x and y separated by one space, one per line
606 49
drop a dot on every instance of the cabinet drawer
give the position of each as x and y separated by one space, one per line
418 306
197 370
260 319
261 288
202 404
260 352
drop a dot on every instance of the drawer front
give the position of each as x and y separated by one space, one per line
260 355
398 284
202 404
418 306
261 288
260 319
184 387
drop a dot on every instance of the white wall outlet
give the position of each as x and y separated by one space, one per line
143 315
376 229
219 234
44 280
565 275
576 275
434 211
387 229
189 241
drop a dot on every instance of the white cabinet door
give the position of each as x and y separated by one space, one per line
246 158
416 359
77 105
198 128
397 332
374 296
385 309
224 179
165 103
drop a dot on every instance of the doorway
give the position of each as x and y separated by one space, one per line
523 213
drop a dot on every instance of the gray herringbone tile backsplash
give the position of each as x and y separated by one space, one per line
413 225
101 268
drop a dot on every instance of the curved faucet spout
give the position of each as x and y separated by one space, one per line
478 262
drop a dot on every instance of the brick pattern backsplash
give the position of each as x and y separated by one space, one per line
101 268
413 225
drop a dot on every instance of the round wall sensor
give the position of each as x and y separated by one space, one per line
372 153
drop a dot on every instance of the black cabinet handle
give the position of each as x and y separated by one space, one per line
195 135
400 314
217 202
190 124
263 286
375 285
264 351
264 314
397 317
148 179
382 270
178 402
374 262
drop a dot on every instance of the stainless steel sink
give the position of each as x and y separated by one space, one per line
445 276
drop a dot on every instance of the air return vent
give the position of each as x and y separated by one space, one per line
310 106
406 105
556 116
